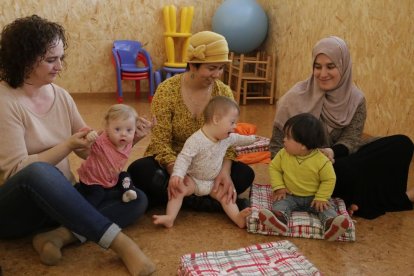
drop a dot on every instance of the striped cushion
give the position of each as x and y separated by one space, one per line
301 224
273 258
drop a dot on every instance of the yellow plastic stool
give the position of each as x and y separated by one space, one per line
172 36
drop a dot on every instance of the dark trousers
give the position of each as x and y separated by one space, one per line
148 176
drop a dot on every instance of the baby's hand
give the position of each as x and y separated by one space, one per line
320 206
280 194
92 136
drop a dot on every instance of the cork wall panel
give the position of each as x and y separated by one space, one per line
380 35
93 25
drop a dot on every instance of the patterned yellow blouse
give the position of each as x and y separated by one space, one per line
175 123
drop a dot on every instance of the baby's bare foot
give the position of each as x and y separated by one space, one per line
165 220
241 217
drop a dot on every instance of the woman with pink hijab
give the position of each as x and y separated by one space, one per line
372 173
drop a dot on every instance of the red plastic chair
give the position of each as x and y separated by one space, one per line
127 55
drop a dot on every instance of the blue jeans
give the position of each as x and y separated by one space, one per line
302 203
39 197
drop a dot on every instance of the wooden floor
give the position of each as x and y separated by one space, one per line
384 246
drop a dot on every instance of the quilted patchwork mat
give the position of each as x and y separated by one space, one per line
273 258
301 224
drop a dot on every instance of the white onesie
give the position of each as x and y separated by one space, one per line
202 158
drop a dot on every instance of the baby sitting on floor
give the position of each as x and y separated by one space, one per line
303 179
201 159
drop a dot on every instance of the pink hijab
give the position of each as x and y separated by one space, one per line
336 107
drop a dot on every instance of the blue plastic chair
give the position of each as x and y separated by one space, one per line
126 55
165 73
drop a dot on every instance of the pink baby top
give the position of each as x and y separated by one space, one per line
104 163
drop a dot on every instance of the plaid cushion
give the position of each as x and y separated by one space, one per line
274 258
262 144
301 224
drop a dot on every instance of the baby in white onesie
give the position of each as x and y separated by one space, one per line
201 159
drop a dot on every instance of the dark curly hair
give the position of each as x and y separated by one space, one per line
22 42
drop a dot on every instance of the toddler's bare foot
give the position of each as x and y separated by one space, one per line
133 258
241 217
352 209
49 244
165 220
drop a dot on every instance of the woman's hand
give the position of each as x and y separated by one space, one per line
91 137
144 127
79 140
328 153
320 206
76 143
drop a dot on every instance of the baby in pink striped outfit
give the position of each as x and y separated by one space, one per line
103 169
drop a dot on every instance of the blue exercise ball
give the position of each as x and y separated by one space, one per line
243 23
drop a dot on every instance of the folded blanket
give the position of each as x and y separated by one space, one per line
262 144
258 152
273 258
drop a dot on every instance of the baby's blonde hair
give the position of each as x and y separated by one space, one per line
219 105
120 111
